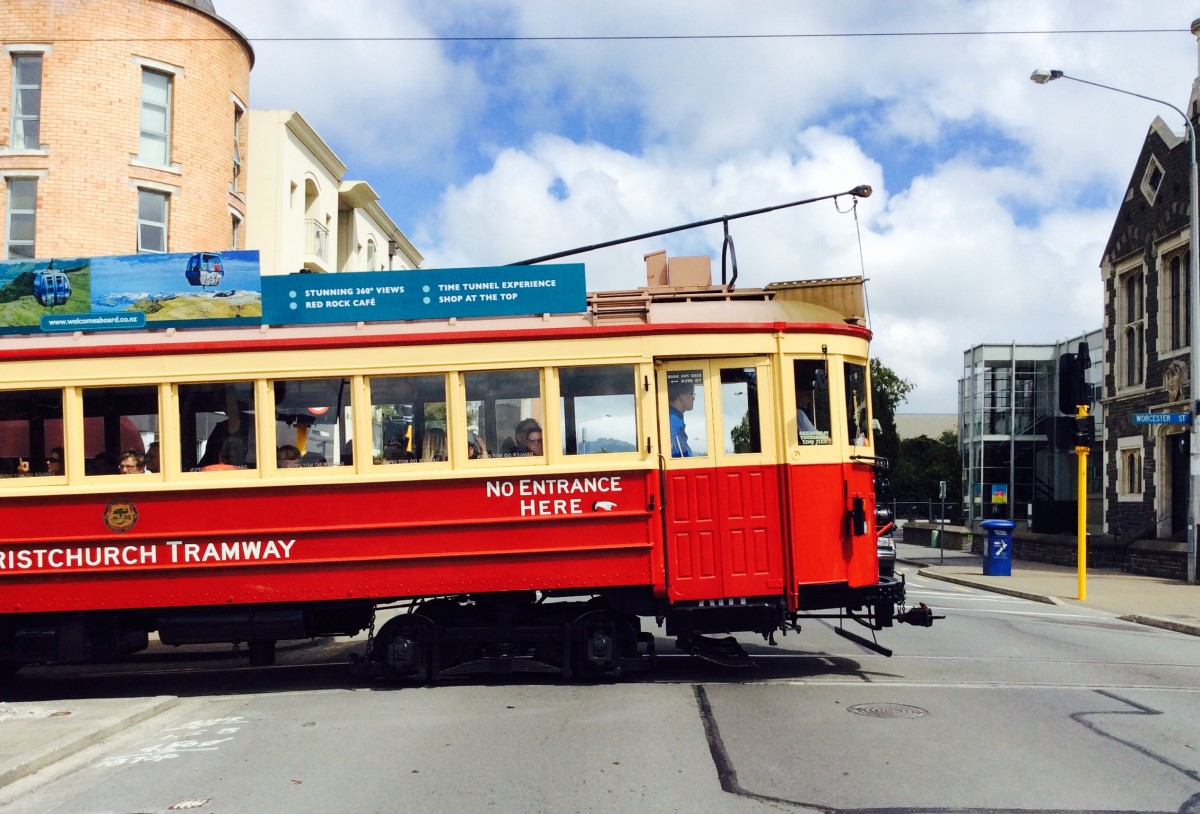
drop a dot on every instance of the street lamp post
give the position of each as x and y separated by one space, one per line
1041 77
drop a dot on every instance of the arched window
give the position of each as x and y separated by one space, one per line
1133 328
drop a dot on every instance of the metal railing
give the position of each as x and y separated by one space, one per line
928 510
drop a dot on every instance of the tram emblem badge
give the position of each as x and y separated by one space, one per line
120 516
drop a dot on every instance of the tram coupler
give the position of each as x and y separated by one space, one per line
920 616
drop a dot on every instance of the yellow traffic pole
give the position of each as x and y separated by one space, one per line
1081 453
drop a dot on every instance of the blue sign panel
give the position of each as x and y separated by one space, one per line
1162 418
424 294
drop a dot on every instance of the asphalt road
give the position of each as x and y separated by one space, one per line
1005 705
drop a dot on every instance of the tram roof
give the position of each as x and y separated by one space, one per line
833 306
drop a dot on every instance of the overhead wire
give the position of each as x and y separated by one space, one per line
642 37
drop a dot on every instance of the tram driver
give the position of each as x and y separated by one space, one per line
682 397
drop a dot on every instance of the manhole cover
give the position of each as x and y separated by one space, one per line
888 711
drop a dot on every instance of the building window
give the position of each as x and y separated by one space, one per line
237 149
152 221
370 255
235 232
1129 479
1152 180
26 102
1177 306
22 218
1132 316
155 145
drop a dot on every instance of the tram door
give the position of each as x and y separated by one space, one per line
722 518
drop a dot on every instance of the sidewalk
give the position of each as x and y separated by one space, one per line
1150 601
37 734
34 736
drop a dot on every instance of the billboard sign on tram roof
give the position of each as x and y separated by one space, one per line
424 294
190 289
200 289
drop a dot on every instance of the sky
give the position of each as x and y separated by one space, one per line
502 130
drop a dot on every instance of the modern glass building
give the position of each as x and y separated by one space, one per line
1007 420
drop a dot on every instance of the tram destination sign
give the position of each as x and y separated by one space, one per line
424 294
1162 418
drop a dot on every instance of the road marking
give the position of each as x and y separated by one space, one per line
1048 615
175 746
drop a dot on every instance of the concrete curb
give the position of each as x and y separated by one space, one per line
86 728
1165 624
996 589
1187 628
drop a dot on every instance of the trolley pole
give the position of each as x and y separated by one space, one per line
1081 453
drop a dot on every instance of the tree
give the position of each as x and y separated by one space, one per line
924 462
888 391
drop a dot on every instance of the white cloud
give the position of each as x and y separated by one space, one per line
994 196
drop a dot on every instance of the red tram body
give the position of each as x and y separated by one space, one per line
510 561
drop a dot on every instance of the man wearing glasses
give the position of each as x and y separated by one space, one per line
54 462
131 462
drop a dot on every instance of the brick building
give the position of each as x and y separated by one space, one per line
125 127
119 135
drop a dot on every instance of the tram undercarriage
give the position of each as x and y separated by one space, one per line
600 638
595 639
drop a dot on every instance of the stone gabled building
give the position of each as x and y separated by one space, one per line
1145 270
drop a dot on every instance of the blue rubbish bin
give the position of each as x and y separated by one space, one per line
997 553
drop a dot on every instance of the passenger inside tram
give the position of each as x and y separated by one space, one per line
433 446
288 457
522 442
475 446
231 456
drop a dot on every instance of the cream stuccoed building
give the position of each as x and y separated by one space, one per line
302 212
126 127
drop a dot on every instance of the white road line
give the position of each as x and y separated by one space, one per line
1094 615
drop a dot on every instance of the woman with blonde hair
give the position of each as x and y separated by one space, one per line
433 446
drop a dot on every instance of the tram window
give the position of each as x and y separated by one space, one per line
31 433
504 411
856 404
314 416
688 432
599 409
214 417
813 421
117 420
408 418
740 429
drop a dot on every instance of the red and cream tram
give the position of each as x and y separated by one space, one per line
291 480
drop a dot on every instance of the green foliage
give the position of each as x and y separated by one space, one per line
924 461
740 435
888 386
888 391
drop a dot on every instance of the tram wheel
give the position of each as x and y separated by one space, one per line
405 646
601 639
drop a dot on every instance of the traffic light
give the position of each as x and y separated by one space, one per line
1061 433
1085 431
1073 389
